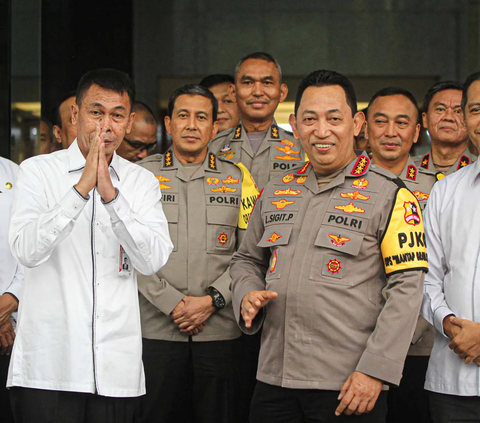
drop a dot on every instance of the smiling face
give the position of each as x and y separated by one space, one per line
472 113
258 90
444 118
391 129
326 128
228 115
191 127
107 109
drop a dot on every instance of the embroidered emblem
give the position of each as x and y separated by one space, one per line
163 186
464 161
227 156
289 153
334 266
301 180
274 238
355 196
412 173
304 168
439 176
222 238
212 161
223 189
411 213
288 191
162 178
361 183
360 166
350 208
273 265
339 240
238 132
168 159
275 132
225 148
230 180
420 195
281 204
213 181
425 161
9 185
288 178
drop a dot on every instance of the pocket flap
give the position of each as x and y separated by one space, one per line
222 216
171 212
275 235
341 240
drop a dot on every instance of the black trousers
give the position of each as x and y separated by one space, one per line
274 404
454 409
409 401
191 382
5 408
43 406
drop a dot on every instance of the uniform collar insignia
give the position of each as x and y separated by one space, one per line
411 173
303 169
168 159
425 161
212 161
360 166
274 133
464 161
238 132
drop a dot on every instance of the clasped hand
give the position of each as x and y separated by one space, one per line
95 173
191 314
465 338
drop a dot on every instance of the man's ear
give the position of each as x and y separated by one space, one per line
167 121
131 118
358 121
292 120
283 92
232 92
56 133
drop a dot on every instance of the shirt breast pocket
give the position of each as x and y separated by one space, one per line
276 237
171 213
335 255
221 229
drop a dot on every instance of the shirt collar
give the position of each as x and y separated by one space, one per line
476 172
76 161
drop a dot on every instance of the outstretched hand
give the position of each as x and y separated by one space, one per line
253 302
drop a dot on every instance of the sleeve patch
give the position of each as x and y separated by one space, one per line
403 246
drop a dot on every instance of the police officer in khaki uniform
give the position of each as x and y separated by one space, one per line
442 117
258 142
323 242
392 128
190 334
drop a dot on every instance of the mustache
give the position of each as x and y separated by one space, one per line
264 101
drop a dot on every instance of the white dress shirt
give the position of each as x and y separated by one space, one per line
11 273
452 285
79 321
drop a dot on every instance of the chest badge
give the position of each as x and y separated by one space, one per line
334 266
421 196
213 181
223 189
288 191
274 238
222 238
355 196
273 264
411 213
350 208
287 150
301 180
230 180
226 152
339 240
360 183
281 204
288 178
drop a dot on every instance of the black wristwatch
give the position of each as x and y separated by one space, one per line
217 299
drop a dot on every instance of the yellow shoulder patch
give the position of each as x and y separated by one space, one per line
403 245
249 196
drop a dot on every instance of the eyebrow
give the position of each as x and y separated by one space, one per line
244 77
101 105
439 103
378 114
197 112
474 104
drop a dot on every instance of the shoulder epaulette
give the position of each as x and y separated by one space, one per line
153 158
384 172
223 134
399 182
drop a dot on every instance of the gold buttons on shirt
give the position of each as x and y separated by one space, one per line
8 185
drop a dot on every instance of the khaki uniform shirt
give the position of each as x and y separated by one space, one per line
426 162
207 215
420 181
329 254
278 152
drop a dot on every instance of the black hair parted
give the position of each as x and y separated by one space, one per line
193 89
108 79
390 91
325 78
436 88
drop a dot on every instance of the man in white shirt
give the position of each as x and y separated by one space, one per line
452 290
11 280
77 215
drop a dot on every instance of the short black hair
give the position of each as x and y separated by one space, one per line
259 55
469 81
436 88
57 119
193 89
325 78
141 107
389 91
218 78
108 79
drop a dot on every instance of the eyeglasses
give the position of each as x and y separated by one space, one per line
142 146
